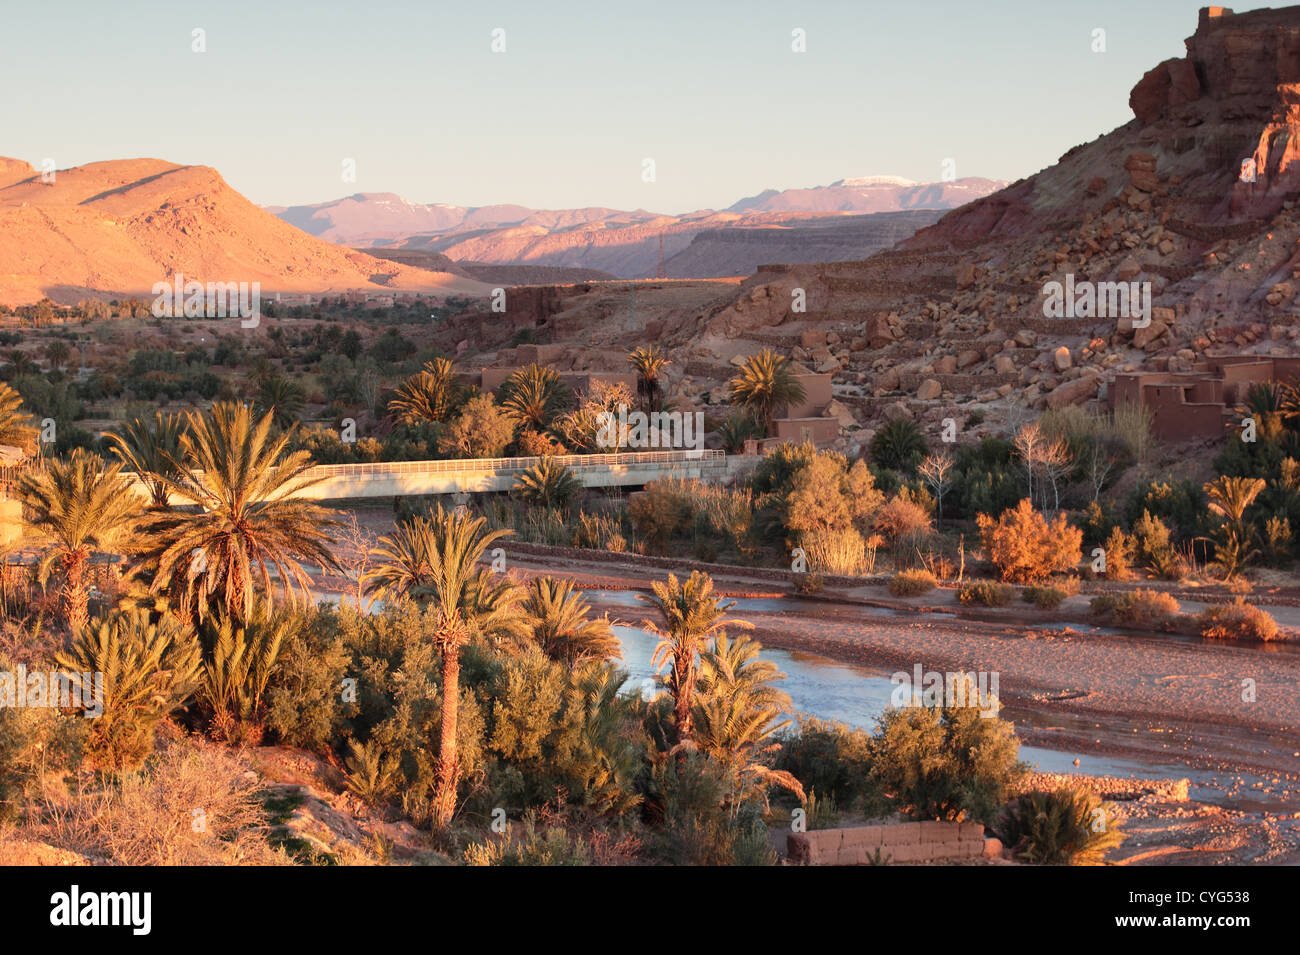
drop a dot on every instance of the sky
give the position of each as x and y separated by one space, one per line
712 92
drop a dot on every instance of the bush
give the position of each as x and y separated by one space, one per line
833 760
841 551
305 705
192 805
1236 621
1118 554
985 593
1147 609
149 671
899 445
911 583
599 532
1044 596
901 517
1026 548
946 762
664 510
1066 827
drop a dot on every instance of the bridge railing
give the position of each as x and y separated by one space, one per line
576 462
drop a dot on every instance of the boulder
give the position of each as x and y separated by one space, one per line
1073 392
1142 337
929 390
1061 358
968 357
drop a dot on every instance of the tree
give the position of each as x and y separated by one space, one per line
533 396
247 521
483 430
1025 547
428 395
1229 497
649 363
1028 444
736 713
691 615
899 445
153 453
80 507
281 398
764 384
936 472
18 430
548 484
435 560
558 620
57 352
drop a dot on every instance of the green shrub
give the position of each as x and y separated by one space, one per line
306 704
832 759
911 583
986 593
1044 596
1236 621
946 762
1066 827
150 669
1147 609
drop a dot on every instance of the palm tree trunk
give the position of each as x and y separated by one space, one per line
74 590
444 796
682 714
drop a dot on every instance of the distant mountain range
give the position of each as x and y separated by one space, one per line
627 244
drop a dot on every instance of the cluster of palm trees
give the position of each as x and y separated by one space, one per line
209 522
220 519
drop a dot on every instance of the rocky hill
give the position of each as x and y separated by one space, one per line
953 318
951 322
115 228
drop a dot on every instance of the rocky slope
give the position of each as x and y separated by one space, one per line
952 319
116 228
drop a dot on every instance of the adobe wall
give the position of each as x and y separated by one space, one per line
916 842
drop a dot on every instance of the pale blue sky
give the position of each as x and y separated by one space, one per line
585 91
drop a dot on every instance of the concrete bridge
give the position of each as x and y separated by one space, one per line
403 478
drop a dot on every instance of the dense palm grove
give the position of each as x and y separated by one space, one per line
462 699
489 710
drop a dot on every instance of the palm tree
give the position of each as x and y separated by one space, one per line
57 352
247 521
1230 496
80 507
17 429
558 620
547 483
437 563
429 395
280 397
764 384
649 363
534 395
691 615
151 453
401 561
737 711
900 444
